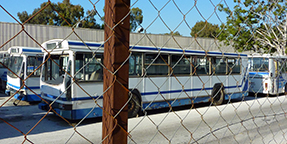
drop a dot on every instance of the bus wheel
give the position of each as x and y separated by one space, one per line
133 106
285 89
217 94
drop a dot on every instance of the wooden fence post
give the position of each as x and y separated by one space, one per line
117 32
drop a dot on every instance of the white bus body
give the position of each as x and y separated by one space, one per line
23 61
267 74
153 84
4 55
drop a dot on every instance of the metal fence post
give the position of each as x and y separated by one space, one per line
117 31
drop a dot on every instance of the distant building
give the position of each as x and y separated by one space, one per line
12 34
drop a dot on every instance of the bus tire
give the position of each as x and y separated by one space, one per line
285 89
133 105
217 94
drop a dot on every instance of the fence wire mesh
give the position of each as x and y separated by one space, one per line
216 73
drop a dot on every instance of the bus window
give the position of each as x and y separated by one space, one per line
201 65
32 64
135 64
180 64
92 69
218 65
54 68
259 64
15 65
156 65
233 65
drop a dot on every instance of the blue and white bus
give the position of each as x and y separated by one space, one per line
267 74
157 77
23 64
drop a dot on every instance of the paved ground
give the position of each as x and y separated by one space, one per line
260 120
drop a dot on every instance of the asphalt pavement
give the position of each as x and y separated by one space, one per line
255 120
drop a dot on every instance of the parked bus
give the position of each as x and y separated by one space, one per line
267 74
4 55
199 77
23 62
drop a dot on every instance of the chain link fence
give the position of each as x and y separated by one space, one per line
141 88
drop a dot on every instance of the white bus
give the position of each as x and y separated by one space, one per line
4 55
22 63
267 74
199 77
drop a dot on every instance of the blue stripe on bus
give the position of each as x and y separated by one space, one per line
32 50
174 91
187 51
156 49
17 87
258 73
82 44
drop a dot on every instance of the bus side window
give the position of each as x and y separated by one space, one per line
156 64
233 65
93 71
135 64
78 67
218 65
180 64
200 64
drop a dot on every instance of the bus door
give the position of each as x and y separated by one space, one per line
282 75
33 71
275 78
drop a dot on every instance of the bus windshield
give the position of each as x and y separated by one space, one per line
15 65
53 69
259 64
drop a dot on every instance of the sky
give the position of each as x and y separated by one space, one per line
159 16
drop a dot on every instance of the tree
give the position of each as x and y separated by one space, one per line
90 21
256 25
204 29
46 16
173 33
136 18
67 12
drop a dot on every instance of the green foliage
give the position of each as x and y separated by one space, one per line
136 18
46 16
204 29
173 33
60 14
254 25
90 21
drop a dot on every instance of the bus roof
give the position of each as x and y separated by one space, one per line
24 50
60 45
